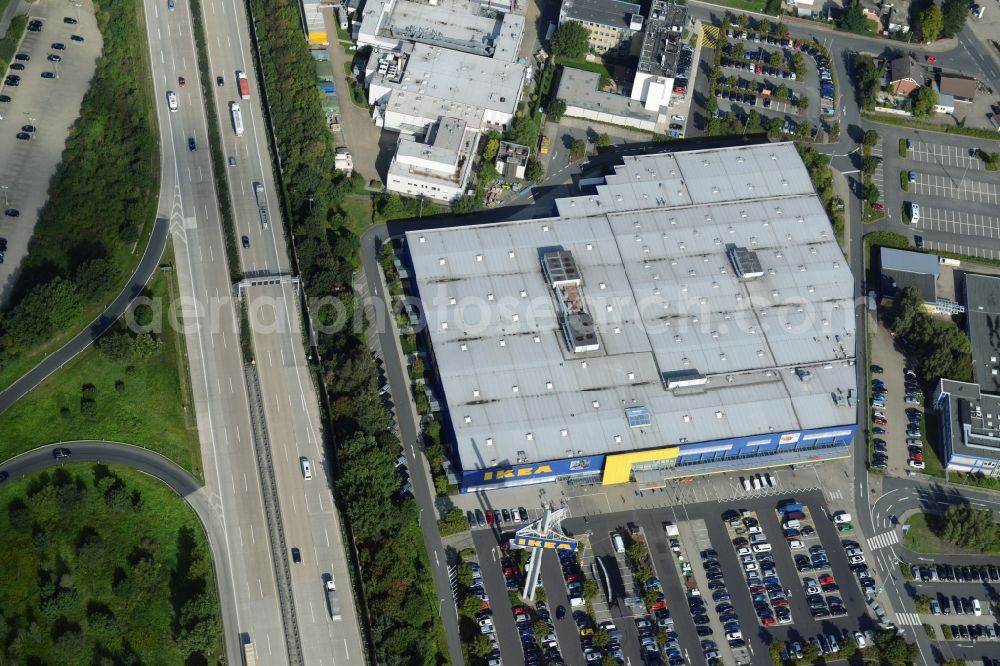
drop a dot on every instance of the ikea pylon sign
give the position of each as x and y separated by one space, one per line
539 542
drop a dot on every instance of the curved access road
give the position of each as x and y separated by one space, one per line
155 465
86 337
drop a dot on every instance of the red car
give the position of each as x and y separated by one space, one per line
572 578
931 58
880 420
876 205
181 82
780 603
917 456
768 621
758 69
489 516
826 579
658 605
509 571
518 610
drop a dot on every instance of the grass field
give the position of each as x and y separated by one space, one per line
358 210
920 537
152 410
104 565
585 65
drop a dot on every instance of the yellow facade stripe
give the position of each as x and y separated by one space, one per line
618 467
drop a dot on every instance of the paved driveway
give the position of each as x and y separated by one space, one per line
358 131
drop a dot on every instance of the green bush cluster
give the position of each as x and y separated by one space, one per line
940 347
102 194
401 603
120 572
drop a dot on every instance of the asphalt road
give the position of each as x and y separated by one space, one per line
143 272
291 406
188 202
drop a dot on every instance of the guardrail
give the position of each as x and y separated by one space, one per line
269 491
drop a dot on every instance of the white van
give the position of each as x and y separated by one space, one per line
307 472
977 610
791 524
762 548
619 543
914 212
842 518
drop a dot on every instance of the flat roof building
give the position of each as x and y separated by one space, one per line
438 168
693 315
970 427
900 269
611 22
665 58
580 90
411 88
982 316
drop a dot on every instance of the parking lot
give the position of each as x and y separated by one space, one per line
958 222
700 528
937 153
962 189
54 65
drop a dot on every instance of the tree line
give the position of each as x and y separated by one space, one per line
384 524
940 347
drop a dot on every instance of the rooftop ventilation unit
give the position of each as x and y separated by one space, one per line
563 276
745 262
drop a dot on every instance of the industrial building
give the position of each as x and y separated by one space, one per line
970 412
581 91
435 67
692 315
665 59
611 22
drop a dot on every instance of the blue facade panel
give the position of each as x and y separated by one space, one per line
522 475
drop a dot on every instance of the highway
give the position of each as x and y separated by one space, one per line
291 409
188 202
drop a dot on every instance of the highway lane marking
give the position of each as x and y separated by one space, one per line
224 343
260 587
327 535
294 506
269 357
277 404
246 487
159 38
231 390
240 531
253 539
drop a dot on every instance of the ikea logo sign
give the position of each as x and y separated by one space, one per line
517 472
537 542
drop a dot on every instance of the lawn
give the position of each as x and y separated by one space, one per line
103 564
358 210
920 537
152 409
744 5
585 65
929 427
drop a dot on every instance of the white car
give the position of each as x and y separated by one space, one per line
859 638
678 119
745 550
813 589
915 464
879 413
915 442
795 544
857 559
914 212
851 552
842 517
977 610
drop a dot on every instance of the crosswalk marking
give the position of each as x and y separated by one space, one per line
908 619
883 540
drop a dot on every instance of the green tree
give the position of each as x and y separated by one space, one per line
491 147
775 59
555 110
869 164
524 131
853 19
968 527
835 132
578 149
589 589
922 603
931 23
781 92
870 139
369 482
603 140
601 639
743 20
894 649
870 192
467 203
803 103
47 308
764 26
571 40
739 51
774 125
534 171
953 16
753 122
93 277
803 131
907 309
924 102
869 76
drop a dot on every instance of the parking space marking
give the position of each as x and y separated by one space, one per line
950 188
934 153
883 540
967 250
959 222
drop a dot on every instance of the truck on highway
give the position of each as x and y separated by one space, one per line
332 601
249 654
244 84
258 192
234 109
